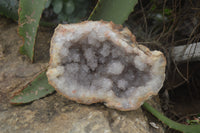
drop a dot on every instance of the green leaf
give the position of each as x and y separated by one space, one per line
29 16
172 124
57 6
48 3
34 90
113 10
9 8
153 7
62 16
167 11
69 7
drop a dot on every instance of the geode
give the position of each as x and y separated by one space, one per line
97 61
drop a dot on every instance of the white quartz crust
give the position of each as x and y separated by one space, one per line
97 61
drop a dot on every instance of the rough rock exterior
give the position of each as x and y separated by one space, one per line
96 61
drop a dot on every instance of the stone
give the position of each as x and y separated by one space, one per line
117 71
54 113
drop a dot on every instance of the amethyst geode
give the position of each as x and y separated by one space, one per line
97 61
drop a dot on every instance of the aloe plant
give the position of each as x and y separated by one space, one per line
113 10
172 124
34 90
29 16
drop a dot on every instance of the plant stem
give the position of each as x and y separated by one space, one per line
172 124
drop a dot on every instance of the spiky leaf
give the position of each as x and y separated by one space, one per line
36 89
172 124
29 16
57 6
113 10
69 7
